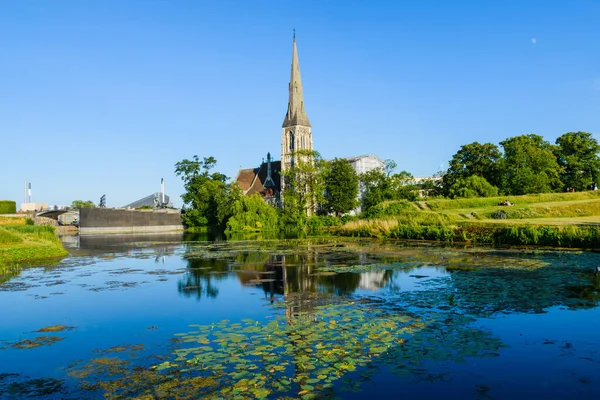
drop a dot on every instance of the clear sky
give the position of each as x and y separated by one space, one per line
104 97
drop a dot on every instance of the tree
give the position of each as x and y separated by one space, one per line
207 198
304 188
82 204
341 187
390 166
403 186
529 166
577 154
483 160
378 187
252 214
472 186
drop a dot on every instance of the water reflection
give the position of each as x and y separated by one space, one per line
436 294
481 282
158 246
202 278
280 275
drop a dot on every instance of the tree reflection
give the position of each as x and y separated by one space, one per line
201 279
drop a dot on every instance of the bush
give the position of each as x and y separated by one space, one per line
473 186
390 208
499 214
252 214
8 207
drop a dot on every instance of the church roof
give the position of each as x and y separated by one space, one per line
252 180
245 178
296 114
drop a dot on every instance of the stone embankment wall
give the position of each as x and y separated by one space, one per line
107 220
45 221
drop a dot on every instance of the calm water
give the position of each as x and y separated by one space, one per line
314 318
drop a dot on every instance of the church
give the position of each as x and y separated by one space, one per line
296 134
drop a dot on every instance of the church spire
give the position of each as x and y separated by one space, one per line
296 115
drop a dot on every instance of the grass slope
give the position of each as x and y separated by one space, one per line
24 243
554 219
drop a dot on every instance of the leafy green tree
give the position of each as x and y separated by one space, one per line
252 214
341 187
483 160
378 187
472 186
304 188
82 204
529 166
207 198
403 186
577 154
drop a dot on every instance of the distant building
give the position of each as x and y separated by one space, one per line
55 207
34 207
152 200
366 163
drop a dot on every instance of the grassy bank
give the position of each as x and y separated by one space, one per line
21 243
556 219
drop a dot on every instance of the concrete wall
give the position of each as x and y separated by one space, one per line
108 220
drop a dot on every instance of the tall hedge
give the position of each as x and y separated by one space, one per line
8 207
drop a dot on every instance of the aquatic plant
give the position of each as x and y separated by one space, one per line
305 355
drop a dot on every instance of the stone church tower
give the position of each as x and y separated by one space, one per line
296 133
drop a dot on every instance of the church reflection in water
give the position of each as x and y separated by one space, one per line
295 278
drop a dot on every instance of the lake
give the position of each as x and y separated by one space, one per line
173 316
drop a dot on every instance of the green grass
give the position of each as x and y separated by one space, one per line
479 202
553 219
7 237
27 243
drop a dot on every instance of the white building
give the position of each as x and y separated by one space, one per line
362 164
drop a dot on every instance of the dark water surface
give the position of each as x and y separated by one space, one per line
310 318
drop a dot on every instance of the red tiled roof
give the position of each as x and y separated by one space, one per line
245 178
252 180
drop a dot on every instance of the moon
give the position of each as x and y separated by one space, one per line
533 40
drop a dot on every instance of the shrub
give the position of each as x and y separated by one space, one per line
390 208
499 214
252 214
8 207
473 186
317 222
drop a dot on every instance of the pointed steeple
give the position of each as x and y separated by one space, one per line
269 182
296 115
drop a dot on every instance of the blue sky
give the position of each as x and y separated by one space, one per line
104 97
